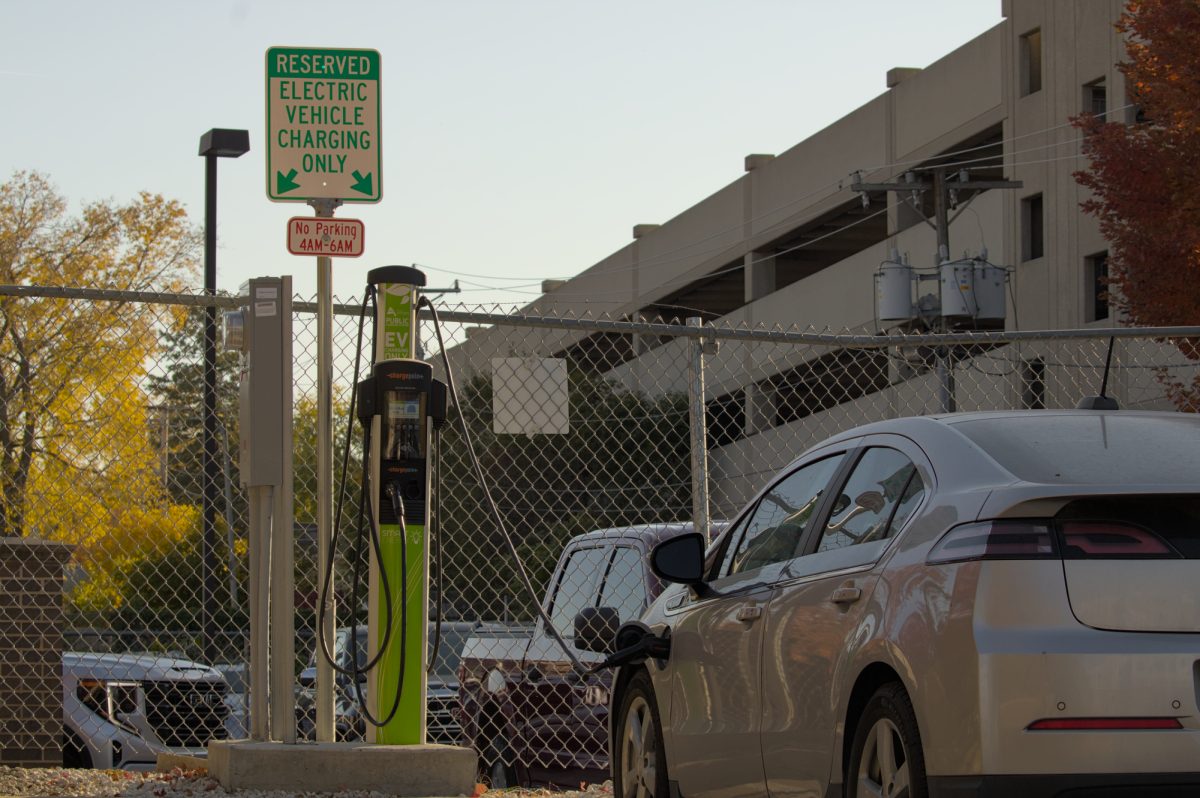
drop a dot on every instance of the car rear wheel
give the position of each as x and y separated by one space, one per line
640 769
886 759
75 752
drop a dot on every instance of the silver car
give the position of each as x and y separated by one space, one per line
123 710
984 604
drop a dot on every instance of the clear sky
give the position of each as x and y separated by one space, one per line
521 139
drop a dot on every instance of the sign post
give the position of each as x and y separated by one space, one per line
324 148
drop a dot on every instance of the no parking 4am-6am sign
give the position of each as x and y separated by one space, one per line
323 136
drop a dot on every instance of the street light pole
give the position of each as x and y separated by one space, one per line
216 143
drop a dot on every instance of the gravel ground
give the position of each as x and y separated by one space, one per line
29 782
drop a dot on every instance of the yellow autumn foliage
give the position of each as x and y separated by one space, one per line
77 463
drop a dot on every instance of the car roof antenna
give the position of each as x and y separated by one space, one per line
1102 402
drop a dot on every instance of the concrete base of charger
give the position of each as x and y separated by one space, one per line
408 770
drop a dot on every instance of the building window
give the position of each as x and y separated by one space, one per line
1096 273
726 419
1033 384
1134 113
1032 230
1031 62
1095 99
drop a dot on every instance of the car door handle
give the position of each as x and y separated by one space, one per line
749 613
847 594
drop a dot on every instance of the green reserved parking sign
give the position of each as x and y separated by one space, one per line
323 133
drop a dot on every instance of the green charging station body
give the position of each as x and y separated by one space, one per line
400 437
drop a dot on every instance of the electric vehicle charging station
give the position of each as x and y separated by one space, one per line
404 400
398 405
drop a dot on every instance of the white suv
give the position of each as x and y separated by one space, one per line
123 710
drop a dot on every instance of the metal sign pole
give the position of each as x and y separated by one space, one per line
325 676
323 147
698 421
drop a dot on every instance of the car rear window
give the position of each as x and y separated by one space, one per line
1068 448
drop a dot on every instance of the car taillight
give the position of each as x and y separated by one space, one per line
1100 539
1008 539
1104 724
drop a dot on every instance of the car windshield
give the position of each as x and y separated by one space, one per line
1075 448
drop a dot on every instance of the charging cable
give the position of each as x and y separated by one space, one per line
398 510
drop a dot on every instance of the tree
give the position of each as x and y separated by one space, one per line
309 580
71 372
179 396
77 463
304 455
1143 176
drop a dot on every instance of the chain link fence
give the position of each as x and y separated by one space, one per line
585 430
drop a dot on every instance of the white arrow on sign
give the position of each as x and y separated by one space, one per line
335 238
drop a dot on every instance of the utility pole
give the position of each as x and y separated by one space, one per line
945 197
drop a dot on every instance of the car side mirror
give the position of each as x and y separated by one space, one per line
596 629
680 560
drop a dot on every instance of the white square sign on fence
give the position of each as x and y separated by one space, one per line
529 396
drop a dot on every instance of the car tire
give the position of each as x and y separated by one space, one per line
639 758
886 757
75 753
496 764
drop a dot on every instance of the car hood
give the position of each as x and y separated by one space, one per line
152 667
442 687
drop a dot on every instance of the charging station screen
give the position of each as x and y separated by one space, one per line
404 426
404 408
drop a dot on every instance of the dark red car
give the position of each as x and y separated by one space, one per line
524 709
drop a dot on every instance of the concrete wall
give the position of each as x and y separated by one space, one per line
1079 45
949 94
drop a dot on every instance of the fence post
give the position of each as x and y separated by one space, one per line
697 423
946 387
